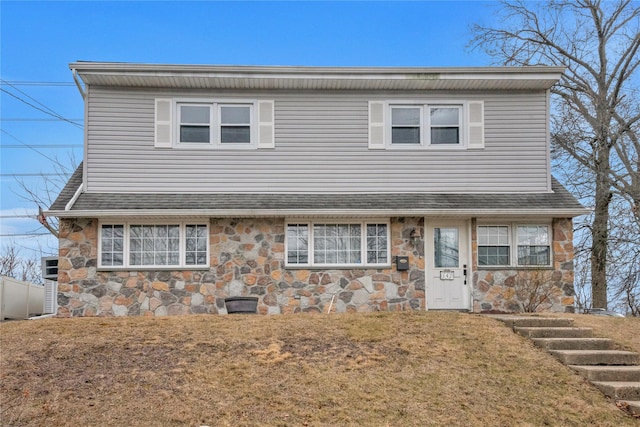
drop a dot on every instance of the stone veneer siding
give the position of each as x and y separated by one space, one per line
494 288
247 259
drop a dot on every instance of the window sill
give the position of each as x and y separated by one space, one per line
338 267
513 267
155 268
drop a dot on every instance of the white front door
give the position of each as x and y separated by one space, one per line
447 265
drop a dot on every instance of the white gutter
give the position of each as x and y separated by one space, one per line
118 68
69 205
80 88
219 213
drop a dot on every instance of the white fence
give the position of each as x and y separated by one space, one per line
21 300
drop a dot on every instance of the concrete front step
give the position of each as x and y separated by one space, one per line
596 357
608 373
574 343
564 332
537 322
624 390
631 406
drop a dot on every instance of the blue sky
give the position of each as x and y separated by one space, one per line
40 39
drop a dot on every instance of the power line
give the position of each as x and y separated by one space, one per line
34 216
43 110
35 120
43 146
31 174
24 235
31 98
35 83
28 146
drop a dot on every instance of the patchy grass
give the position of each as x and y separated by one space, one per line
395 369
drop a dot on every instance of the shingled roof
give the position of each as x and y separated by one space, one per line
559 202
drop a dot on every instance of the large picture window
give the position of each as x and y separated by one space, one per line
154 245
337 244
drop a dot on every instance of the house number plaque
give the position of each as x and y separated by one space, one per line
446 274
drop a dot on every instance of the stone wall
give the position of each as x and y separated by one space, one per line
247 259
508 290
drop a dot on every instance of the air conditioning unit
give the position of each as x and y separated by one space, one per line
50 297
49 265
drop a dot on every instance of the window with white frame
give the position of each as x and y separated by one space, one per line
231 124
428 125
235 124
532 247
143 245
194 123
112 245
444 124
406 125
331 243
493 245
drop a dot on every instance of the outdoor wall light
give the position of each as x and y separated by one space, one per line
414 236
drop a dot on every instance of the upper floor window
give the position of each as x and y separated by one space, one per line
235 124
424 124
216 124
204 123
429 125
195 123
406 125
444 124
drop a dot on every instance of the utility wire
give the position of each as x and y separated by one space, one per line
24 234
31 174
54 114
36 83
29 146
43 146
35 120
30 97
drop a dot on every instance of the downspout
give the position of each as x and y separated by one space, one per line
77 81
83 93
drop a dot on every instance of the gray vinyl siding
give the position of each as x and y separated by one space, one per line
321 147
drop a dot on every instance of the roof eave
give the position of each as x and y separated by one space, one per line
240 213
282 77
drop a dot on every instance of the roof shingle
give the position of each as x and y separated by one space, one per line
559 199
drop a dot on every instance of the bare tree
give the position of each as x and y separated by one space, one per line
13 264
44 194
596 109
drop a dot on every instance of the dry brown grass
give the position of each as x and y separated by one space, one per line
625 331
395 369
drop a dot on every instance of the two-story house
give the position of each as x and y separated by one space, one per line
313 189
